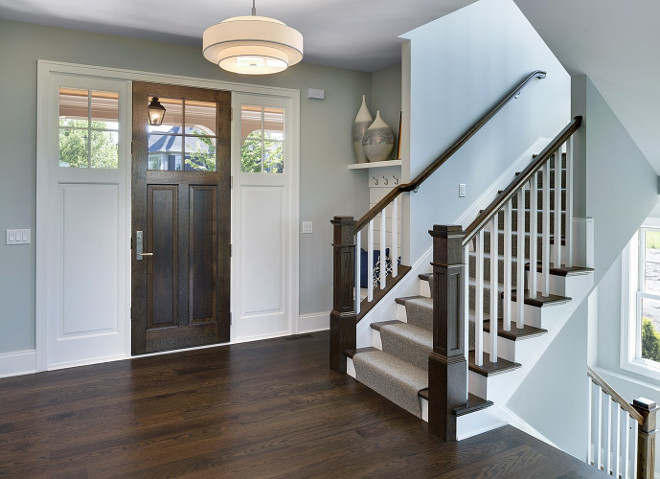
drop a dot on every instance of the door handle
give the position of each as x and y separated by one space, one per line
139 254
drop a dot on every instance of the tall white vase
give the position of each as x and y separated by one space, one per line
362 121
378 141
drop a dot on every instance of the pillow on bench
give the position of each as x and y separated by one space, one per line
364 266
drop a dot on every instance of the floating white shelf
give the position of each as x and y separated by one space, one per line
377 164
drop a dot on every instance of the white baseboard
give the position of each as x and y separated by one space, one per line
310 323
17 363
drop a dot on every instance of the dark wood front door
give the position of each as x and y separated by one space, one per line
180 219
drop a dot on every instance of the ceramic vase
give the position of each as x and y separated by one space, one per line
378 141
362 121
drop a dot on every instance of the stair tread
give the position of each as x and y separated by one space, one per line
563 270
416 376
474 404
489 368
425 276
403 299
540 300
352 352
515 333
380 324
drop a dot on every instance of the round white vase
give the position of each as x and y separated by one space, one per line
362 121
378 141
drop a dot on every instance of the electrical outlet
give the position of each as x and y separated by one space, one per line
307 227
461 190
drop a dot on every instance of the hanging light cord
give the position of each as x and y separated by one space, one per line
254 9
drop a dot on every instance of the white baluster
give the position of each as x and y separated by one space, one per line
626 465
533 235
370 262
358 266
558 228
466 301
508 259
545 227
617 457
590 439
494 290
479 301
520 280
608 459
568 234
633 459
599 428
394 253
383 247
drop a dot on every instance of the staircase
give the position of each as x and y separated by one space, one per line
396 364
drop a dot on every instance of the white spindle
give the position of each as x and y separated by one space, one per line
617 456
626 465
633 460
557 189
545 235
568 234
370 262
493 288
479 300
520 280
590 453
383 247
466 301
394 252
608 459
533 235
358 264
508 259
599 429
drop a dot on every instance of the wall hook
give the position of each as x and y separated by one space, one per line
375 180
385 181
396 180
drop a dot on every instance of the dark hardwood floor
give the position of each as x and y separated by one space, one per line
269 409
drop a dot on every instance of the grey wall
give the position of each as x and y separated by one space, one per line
326 150
386 97
461 65
621 187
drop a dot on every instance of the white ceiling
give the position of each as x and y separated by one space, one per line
614 42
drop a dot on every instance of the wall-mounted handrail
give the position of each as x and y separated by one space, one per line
440 160
498 203
609 390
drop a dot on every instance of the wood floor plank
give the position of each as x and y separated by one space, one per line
268 409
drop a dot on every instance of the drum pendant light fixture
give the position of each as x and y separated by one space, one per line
252 45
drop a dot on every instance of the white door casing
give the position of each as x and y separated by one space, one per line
265 233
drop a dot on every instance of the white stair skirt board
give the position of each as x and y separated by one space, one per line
18 363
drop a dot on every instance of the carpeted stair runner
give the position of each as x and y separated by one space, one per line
394 378
408 342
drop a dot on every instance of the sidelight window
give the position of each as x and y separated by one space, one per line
88 128
262 139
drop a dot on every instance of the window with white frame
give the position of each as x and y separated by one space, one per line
641 317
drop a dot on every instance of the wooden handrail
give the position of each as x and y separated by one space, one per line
609 390
498 203
440 160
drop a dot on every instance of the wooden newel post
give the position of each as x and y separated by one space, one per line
447 363
646 438
342 317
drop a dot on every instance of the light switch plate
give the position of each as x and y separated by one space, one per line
461 190
19 236
307 227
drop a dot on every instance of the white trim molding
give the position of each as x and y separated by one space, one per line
18 363
311 323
